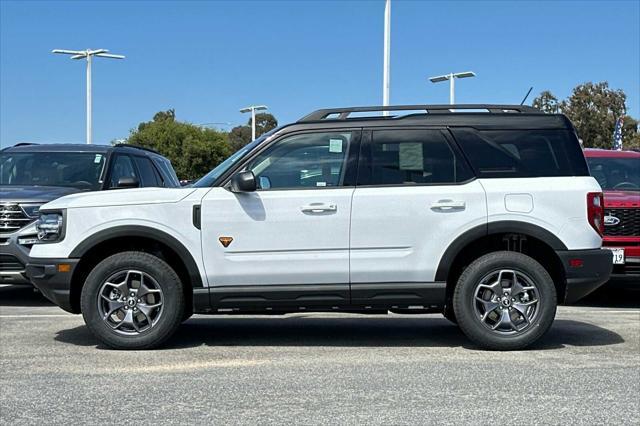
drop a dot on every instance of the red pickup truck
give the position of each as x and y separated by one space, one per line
618 173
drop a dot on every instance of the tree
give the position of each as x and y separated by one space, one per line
547 102
193 150
241 135
630 133
594 109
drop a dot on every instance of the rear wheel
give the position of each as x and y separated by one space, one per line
132 300
505 301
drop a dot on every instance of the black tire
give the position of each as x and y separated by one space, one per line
165 278
466 306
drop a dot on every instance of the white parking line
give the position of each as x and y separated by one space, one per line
35 316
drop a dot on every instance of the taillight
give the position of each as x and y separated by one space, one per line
595 211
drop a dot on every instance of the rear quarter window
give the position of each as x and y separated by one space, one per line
522 153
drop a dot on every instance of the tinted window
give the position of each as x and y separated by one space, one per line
397 157
621 174
168 174
70 169
122 168
522 153
310 160
148 174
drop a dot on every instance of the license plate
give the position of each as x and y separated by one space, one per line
618 255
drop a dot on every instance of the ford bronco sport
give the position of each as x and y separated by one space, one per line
486 213
32 175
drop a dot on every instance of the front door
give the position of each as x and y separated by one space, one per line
288 242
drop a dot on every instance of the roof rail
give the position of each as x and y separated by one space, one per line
144 148
19 144
343 113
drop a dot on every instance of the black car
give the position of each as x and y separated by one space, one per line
32 175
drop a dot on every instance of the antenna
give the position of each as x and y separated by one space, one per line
527 95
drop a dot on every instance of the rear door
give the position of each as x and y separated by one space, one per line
415 194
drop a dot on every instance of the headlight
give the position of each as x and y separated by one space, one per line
50 227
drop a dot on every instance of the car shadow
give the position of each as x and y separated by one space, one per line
614 294
351 331
22 295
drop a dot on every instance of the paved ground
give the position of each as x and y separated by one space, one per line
329 369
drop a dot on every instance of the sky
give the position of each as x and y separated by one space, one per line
208 59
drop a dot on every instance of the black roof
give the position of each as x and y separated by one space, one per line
76 147
472 115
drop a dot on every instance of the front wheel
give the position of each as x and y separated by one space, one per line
505 301
132 300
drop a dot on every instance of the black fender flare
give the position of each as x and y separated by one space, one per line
142 232
498 227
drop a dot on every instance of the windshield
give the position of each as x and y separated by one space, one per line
620 174
208 179
80 170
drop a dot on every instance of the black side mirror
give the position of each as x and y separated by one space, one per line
128 182
243 182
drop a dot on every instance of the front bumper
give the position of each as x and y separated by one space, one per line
55 285
585 270
14 256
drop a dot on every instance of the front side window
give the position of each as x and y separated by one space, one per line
310 160
122 168
81 170
411 157
148 174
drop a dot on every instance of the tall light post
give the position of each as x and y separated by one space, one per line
451 77
88 55
386 70
253 109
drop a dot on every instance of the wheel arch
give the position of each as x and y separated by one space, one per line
134 237
541 245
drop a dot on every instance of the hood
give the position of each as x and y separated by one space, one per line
120 197
33 194
626 199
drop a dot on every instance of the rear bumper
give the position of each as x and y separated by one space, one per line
54 285
585 270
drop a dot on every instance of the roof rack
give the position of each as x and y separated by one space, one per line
144 148
343 113
19 144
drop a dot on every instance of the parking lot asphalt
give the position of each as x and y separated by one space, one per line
321 369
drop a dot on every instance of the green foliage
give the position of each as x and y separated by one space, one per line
593 108
241 135
193 150
546 102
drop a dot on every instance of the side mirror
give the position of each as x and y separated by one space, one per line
243 182
128 182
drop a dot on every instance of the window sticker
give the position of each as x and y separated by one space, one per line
321 183
97 159
411 156
335 145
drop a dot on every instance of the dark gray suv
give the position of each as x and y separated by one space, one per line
32 175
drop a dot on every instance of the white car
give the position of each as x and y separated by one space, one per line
485 213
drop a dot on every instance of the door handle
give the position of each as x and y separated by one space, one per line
319 208
448 205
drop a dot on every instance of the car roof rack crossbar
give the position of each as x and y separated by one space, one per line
343 113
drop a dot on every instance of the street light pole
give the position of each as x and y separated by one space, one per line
253 109
88 55
387 55
452 85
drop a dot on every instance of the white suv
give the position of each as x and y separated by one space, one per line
485 213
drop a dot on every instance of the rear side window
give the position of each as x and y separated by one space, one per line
148 174
522 153
411 157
